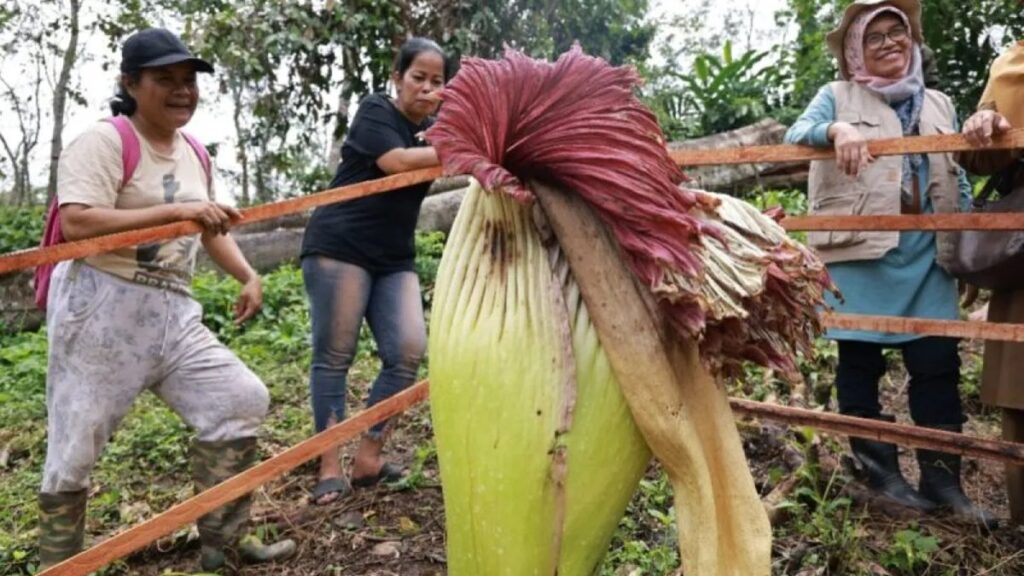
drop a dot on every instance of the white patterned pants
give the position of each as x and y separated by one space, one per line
110 340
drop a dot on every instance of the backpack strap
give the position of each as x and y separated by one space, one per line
204 156
131 148
131 154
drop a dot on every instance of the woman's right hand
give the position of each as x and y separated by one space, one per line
216 218
852 153
984 124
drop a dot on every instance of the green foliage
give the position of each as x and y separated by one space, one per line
962 36
22 227
725 92
721 92
806 62
424 456
22 380
794 202
281 326
22 438
822 516
645 541
910 552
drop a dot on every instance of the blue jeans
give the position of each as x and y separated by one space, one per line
340 296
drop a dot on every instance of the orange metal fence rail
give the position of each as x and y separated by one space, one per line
903 222
68 251
796 153
190 510
926 327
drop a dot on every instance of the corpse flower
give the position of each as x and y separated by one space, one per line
585 304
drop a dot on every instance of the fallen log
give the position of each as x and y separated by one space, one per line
738 179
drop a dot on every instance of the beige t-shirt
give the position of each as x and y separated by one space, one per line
90 173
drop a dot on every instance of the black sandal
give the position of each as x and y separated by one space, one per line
388 473
330 486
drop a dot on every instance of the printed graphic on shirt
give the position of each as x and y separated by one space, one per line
90 173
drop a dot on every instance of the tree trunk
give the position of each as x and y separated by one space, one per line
242 142
350 69
733 179
20 153
60 96
262 194
340 126
24 181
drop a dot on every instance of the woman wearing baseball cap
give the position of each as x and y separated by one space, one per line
124 322
882 94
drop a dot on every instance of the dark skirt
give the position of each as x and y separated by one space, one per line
1003 371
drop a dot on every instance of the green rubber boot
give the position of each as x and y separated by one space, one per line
61 526
219 530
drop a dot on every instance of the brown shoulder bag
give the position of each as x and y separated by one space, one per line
993 259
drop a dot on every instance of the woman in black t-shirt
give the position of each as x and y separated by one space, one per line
357 261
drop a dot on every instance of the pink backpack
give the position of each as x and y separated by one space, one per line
131 152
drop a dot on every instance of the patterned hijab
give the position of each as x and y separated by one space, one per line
905 94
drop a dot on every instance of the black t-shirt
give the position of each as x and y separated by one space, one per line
375 232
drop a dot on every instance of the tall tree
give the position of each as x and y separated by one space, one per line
40 48
21 81
291 66
23 100
61 89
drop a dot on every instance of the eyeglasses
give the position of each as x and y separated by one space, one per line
877 39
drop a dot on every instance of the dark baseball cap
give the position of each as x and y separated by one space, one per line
154 47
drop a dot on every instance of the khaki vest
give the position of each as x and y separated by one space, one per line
876 190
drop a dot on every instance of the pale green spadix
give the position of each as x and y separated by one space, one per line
538 451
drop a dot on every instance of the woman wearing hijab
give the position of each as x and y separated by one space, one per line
882 94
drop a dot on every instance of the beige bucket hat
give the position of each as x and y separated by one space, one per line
912 8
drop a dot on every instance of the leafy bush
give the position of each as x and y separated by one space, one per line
821 514
645 541
722 92
22 379
22 228
910 552
283 322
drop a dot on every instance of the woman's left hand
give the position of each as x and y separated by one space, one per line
250 300
983 125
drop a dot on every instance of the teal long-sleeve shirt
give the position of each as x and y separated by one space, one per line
906 281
